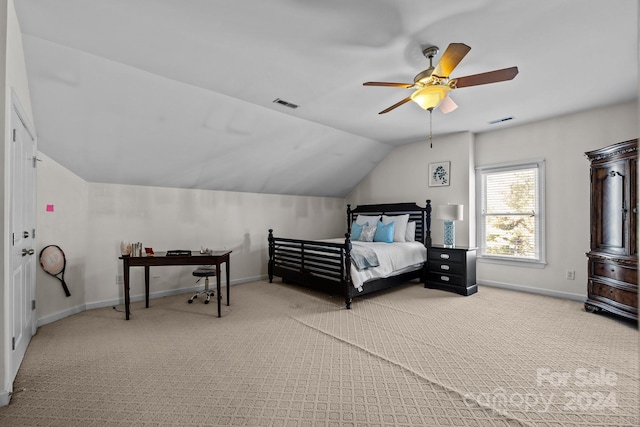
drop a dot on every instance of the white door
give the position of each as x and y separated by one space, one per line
23 242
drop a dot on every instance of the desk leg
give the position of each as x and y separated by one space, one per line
218 297
146 285
228 283
126 292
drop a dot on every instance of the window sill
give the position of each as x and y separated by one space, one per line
512 262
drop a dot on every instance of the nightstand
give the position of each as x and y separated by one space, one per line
452 269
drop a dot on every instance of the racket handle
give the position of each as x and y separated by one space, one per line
64 286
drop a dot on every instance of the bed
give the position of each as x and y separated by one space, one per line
347 266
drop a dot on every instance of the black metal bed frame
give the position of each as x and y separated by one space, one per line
327 266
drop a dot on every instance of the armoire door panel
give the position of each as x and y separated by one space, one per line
609 183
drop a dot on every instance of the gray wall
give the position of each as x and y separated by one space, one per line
561 141
91 219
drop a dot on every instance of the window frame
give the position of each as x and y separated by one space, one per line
539 237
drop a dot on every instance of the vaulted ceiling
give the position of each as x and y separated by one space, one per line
180 93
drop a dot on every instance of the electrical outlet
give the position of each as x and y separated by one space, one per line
570 275
119 279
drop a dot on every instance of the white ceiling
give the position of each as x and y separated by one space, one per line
178 93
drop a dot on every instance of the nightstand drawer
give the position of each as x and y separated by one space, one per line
450 279
445 255
446 267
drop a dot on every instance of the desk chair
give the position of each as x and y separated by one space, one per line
206 273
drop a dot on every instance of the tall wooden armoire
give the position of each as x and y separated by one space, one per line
613 256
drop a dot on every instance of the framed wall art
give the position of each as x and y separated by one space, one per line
439 174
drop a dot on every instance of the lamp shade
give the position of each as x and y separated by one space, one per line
430 96
449 212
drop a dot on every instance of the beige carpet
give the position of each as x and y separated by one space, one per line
284 356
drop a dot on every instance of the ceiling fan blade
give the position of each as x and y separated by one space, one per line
388 84
451 58
397 104
488 77
447 105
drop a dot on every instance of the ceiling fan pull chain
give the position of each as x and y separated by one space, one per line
430 127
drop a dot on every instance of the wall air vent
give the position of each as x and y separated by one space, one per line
285 103
495 122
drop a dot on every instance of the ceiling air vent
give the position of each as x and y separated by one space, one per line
495 122
285 103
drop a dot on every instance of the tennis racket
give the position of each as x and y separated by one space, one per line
53 262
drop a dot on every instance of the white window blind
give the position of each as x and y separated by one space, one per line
511 216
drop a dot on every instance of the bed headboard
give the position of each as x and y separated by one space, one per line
422 216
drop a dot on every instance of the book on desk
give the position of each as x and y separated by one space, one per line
178 252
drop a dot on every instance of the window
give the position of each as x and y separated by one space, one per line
511 212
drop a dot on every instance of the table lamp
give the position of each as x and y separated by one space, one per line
449 213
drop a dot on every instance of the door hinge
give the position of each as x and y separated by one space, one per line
33 233
14 135
13 343
33 304
13 239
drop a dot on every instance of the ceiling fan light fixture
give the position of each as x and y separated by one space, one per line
430 97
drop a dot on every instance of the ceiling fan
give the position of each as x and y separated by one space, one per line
432 85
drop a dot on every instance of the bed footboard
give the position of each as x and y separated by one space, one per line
321 265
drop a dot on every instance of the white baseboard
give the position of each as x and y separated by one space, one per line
539 291
61 315
5 397
134 298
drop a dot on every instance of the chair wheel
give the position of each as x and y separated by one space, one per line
206 302
190 301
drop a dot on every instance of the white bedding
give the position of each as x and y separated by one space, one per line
395 258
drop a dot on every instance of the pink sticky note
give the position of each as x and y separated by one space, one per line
49 208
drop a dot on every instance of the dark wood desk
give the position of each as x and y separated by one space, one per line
160 258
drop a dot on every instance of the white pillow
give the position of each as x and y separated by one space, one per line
411 232
400 229
363 219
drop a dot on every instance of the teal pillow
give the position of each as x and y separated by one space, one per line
384 233
356 230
